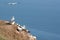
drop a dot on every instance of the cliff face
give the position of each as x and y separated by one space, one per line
10 32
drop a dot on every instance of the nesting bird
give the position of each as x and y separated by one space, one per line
13 20
17 24
19 29
33 37
23 27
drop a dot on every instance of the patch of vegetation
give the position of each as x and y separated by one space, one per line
1 38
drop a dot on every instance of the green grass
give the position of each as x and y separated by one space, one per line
1 38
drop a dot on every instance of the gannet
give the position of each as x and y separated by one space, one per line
13 23
20 29
13 20
17 24
23 27
33 37
14 3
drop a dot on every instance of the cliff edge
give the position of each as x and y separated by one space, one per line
11 32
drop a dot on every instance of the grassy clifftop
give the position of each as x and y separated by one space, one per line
2 38
9 32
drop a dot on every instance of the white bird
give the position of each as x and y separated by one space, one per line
23 27
19 25
34 37
13 23
12 19
14 3
20 29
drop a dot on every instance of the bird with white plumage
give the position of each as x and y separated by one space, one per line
23 27
34 37
31 36
20 29
12 20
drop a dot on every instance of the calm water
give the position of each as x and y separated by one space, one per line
41 17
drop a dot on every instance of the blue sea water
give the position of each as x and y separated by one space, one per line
41 17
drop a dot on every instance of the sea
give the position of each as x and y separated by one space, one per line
41 17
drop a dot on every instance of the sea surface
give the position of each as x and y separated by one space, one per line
41 17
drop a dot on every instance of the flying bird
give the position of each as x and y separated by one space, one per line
13 3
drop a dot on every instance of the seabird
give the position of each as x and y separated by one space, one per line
19 25
33 37
13 20
20 29
14 3
23 27
13 23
